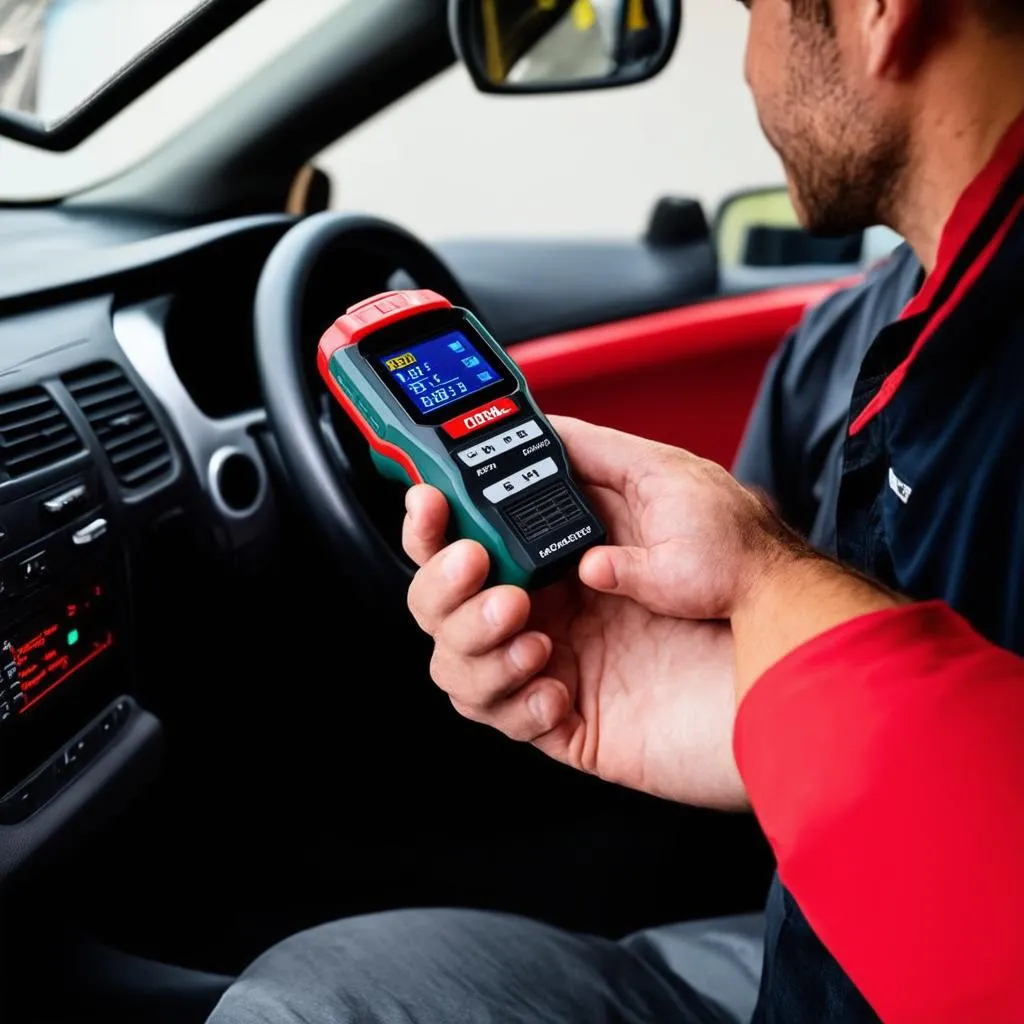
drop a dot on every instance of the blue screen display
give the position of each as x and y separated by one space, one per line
440 371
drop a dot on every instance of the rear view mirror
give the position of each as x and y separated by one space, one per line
534 46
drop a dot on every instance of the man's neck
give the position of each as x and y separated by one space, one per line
971 98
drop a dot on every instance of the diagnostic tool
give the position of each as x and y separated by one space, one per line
441 403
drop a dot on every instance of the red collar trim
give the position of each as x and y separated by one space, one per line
972 205
970 208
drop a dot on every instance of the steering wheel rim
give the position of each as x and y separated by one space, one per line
328 498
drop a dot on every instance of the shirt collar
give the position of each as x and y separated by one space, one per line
974 202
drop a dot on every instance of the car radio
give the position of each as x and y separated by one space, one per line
43 651
61 619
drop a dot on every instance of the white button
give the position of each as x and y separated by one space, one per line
520 480
471 456
60 502
498 443
519 434
87 534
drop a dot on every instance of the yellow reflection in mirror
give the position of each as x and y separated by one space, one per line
636 17
492 41
583 15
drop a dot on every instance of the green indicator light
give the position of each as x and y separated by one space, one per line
72 638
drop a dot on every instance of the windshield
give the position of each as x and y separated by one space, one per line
38 36
54 53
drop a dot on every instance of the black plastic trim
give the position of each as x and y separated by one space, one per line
525 289
119 772
242 155
61 769
95 265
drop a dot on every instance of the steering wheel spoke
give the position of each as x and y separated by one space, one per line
336 451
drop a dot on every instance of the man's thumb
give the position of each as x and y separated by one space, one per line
617 570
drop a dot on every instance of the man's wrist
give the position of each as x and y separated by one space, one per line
782 573
793 594
775 553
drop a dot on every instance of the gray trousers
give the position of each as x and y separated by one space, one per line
462 966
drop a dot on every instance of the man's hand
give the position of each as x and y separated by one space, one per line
706 547
597 681
699 539
631 672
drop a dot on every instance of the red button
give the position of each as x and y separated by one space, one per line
482 416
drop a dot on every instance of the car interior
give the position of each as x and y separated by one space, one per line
217 724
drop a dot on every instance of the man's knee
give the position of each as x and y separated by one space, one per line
399 966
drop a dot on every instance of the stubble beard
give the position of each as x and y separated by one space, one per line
845 166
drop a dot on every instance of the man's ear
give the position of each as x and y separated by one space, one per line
895 34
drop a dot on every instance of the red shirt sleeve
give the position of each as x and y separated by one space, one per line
885 761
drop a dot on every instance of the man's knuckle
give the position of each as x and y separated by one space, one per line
408 533
471 712
422 599
413 603
439 669
521 732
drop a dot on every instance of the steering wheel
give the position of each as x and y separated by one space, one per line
314 457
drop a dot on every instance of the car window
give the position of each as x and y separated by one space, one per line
79 42
449 162
57 52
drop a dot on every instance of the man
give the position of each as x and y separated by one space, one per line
879 746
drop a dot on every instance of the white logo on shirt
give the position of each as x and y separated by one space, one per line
899 488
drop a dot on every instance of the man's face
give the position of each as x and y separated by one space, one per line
841 148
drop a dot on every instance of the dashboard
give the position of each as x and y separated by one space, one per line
128 392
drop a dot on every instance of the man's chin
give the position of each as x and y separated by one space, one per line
803 217
823 220
796 200
831 225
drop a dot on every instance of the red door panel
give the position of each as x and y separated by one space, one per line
686 376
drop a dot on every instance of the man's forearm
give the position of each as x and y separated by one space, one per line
880 744
797 596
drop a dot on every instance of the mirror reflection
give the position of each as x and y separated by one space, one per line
529 43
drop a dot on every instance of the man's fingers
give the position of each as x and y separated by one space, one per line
624 571
480 684
599 455
425 523
660 580
529 714
484 621
451 577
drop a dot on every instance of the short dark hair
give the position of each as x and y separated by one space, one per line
1003 15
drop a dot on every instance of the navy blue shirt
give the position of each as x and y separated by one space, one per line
890 431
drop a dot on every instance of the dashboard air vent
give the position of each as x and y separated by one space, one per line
34 433
122 422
